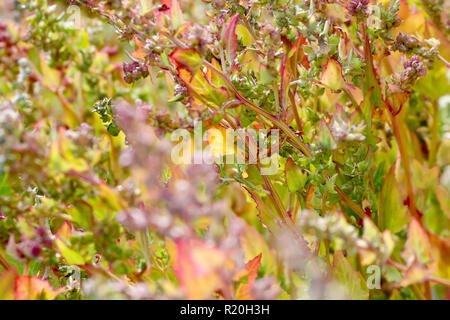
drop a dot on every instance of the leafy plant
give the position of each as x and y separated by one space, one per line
93 205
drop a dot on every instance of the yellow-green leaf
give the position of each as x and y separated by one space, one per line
295 177
392 213
71 256
352 281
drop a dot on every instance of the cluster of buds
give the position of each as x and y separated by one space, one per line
134 71
104 110
198 37
405 43
30 248
426 49
333 227
319 5
82 136
414 69
358 7
343 130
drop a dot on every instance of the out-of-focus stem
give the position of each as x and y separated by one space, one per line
4 263
297 118
65 104
434 144
406 166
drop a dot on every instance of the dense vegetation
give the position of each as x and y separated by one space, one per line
95 204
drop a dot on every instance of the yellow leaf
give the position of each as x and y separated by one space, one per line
253 243
332 76
7 282
417 243
392 213
72 257
197 266
50 76
352 281
139 53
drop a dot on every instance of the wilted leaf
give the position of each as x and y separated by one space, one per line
244 35
440 252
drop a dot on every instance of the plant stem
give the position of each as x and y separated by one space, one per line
434 143
357 209
277 122
4 263
298 120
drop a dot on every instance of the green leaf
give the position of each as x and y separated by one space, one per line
392 213
417 243
370 82
5 188
325 138
295 178
351 280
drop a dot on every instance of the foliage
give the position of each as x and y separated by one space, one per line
92 205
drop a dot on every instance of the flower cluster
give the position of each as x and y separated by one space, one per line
134 71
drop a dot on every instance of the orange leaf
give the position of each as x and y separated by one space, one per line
244 290
34 288
139 53
65 231
197 268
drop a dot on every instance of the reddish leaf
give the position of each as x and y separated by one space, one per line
33 288
229 39
244 290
